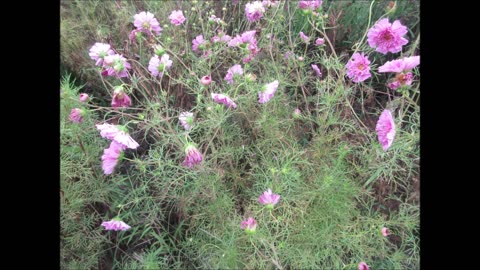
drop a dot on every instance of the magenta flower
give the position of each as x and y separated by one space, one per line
358 68
270 3
186 119
385 232
98 52
268 92
111 156
134 34
304 37
117 133
363 266
198 43
83 97
147 23
385 129
254 11
387 37
249 225
176 17
193 156
245 38
76 115
269 199
157 66
310 4
236 69
206 80
120 99
317 70
221 98
115 225
319 41
116 65
401 67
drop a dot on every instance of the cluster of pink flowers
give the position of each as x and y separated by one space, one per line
115 225
254 11
402 68
192 156
225 100
235 69
157 66
186 119
120 98
358 68
385 129
112 64
120 141
268 92
76 115
176 17
247 42
386 37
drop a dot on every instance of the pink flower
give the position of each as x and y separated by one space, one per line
358 68
116 133
249 225
363 266
116 65
304 37
198 43
246 38
268 92
385 129
83 97
120 99
254 11
76 115
206 80
385 232
146 22
98 52
310 4
193 156
221 98
110 156
176 17
400 65
317 70
270 3
387 37
269 199
297 113
221 37
319 41
115 225
157 66
186 119
236 69
133 34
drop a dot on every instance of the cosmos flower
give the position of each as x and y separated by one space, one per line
310 4
115 225
146 22
363 266
186 119
176 17
221 98
386 37
111 156
268 92
116 65
317 70
193 156
304 37
76 115
157 66
118 134
254 11
269 199
319 41
120 99
385 232
235 69
385 129
249 225
358 68
401 67
83 97
98 52
206 80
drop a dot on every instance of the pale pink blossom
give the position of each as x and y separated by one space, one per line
400 65
269 199
186 119
198 44
117 133
115 225
206 80
235 69
254 11
111 156
386 37
358 68
304 37
319 41
76 115
385 129
317 70
297 113
268 92
385 231
193 156
146 22
363 266
116 65
176 17
270 3
98 52
83 97
157 66
310 4
221 98
250 225
120 99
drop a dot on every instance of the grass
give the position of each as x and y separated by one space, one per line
338 186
